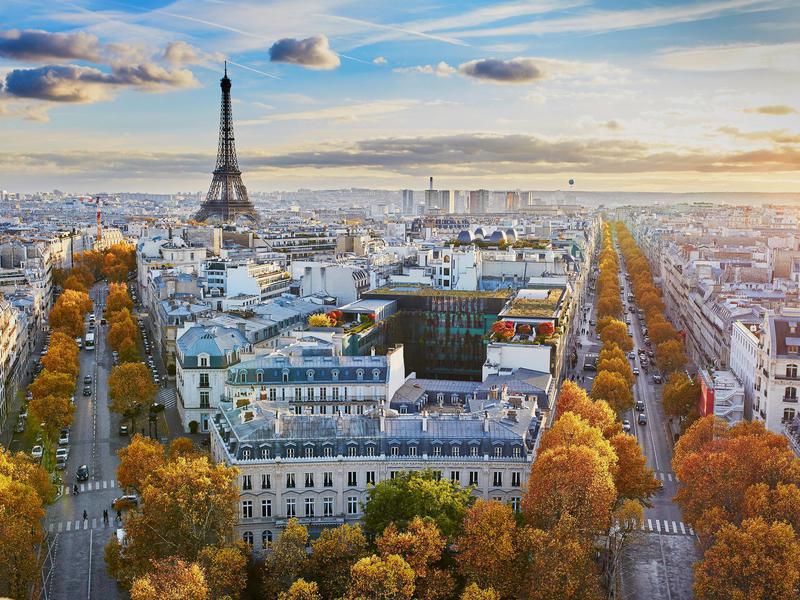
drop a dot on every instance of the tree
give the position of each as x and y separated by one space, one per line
503 330
616 332
50 383
573 398
604 322
611 352
62 355
332 554
416 494
22 468
118 298
131 389
421 546
573 430
54 411
320 320
570 480
487 550
137 461
302 590
286 561
225 569
614 389
122 328
681 394
67 319
187 504
171 579
473 592
74 283
546 329
670 356
757 561
561 563
702 432
128 351
375 578
21 533
617 365
633 478
781 503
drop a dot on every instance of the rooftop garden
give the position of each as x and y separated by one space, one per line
535 307
421 290
524 333
536 244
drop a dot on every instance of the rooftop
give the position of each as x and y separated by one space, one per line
420 290
535 303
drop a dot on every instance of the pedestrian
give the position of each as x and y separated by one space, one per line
75 489
105 516
119 515
85 516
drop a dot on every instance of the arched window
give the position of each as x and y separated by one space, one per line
242 376
360 374
376 375
310 374
791 370
266 539
247 536
285 376
247 454
790 394
259 376
335 374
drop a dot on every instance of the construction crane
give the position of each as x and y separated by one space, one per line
99 226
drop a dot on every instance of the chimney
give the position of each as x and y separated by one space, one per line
382 421
486 421
424 420
431 184
277 424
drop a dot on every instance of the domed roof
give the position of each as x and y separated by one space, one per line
479 232
497 237
465 237
511 234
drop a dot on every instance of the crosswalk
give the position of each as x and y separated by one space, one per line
90 486
666 476
666 527
81 525
167 397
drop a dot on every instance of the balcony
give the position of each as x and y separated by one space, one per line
790 399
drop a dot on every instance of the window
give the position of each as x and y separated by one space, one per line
335 377
498 451
327 451
310 374
247 538
394 450
352 450
516 451
473 478
266 508
266 539
247 453
790 394
290 480
247 483
309 507
288 452
437 475
515 503
290 507
285 377
205 400
497 478
309 451
371 450
247 509
298 394
788 415
203 361
352 505
376 375
352 478
242 376
455 476
310 395
273 395
437 450
455 450
516 477
360 374
392 474
323 394
473 451
323 410
412 450
327 506
791 371
309 480
334 393
204 380
259 377
791 349
266 481
370 477
347 409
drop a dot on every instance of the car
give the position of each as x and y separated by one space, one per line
651 354
123 430
636 372
63 438
640 405
82 474
626 426
644 361
656 378
642 419
592 323
632 355
87 391
37 452
62 453
103 321
630 332
61 463
23 413
125 501
87 380
20 426
29 395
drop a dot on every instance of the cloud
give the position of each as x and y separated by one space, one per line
345 113
440 69
181 53
612 125
733 57
71 83
313 53
776 136
37 45
380 60
772 109
516 70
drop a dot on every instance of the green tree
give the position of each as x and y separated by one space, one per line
332 554
416 494
286 561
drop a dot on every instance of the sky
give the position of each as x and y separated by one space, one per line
118 95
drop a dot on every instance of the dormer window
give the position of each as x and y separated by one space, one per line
259 376
202 360
376 375
335 374
310 374
242 376
285 376
360 374
792 349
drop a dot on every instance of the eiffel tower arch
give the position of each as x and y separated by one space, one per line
227 198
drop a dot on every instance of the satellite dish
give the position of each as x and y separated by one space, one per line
572 182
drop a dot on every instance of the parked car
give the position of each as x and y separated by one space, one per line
126 501
87 379
63 438
61 463
123 430
626 426
62 453
632 355
636 372
82 474
87 390
642 419
37 452
657 378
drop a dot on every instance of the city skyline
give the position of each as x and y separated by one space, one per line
672 97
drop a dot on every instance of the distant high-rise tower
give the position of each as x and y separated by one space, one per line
227 197
408 202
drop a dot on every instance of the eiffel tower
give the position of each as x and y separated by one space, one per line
227 197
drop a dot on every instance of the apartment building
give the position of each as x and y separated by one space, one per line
778 375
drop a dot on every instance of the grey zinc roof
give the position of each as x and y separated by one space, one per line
214 341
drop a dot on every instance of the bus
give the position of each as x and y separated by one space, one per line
88 343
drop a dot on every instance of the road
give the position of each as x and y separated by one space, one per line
79 569
658 564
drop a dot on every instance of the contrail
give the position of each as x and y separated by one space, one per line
438 38
253 70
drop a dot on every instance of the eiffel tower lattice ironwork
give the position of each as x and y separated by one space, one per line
227 197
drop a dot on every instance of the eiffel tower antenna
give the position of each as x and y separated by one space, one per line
227 197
